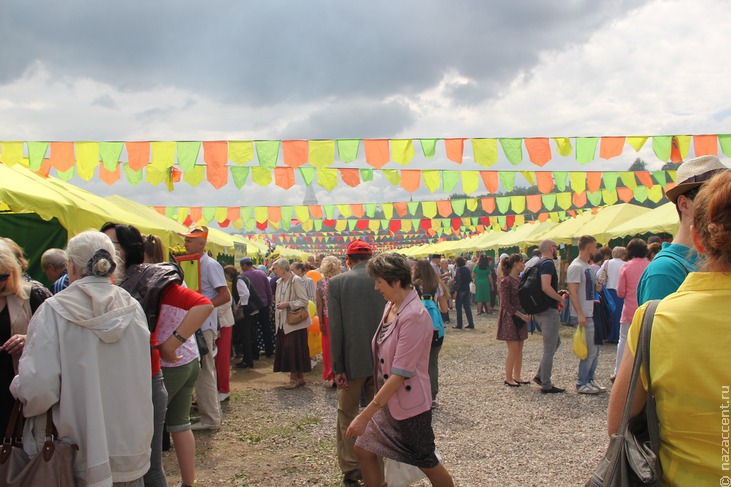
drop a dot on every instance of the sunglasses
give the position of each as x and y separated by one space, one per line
4 277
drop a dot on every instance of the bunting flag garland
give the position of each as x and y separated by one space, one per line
220 157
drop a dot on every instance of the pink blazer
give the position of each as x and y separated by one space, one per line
405 351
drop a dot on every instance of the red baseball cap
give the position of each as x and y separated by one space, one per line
358 247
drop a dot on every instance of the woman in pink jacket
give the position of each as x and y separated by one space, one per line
629 278
396 424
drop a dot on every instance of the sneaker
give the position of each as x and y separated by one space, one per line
223 396
586 389
552 390
204 426
598 387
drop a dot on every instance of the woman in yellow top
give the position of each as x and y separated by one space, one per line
690 355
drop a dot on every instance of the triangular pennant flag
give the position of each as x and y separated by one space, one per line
660 177
539 150
705 145
413 207
11 153
239 175
163 155
455 149
327 178
585 149
283 177
402 151
401 209
220 216
240 152
348 149
376 152
661 145
428 147
628 179
267 153
392 175
155 176
366 174
485 151
261 175
641 193
529 176
611 147
645 178
636 142
449 180
193 177
387 210
513 150
329 211
308 174
725 141
472 204
36 154
593 181
507 180
261 214
135 177
87 159
322 153
432 179
470 181
316 211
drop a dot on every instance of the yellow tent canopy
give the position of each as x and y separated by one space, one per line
519 236
663 219
608 218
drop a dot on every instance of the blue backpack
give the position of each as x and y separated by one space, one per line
436 317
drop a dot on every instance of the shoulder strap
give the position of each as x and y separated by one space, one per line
681 263
653 424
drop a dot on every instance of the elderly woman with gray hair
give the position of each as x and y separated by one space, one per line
87 359
291 351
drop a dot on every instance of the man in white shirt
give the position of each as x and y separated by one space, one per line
213 286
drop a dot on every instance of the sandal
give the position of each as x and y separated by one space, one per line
293 384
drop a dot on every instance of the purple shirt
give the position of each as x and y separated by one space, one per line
261 283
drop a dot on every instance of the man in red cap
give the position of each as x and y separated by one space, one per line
213 285
355 309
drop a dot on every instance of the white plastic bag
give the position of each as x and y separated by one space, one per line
399 474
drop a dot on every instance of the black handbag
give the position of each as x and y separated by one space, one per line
200 340
632 458
519 323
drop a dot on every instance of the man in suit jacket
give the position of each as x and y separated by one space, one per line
355 309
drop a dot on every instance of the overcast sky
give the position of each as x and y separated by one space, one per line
179 70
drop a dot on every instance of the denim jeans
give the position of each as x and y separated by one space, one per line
550 323
463 301
587 367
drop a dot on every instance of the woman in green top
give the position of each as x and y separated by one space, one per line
482 275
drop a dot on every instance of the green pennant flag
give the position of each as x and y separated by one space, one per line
366 174
348 149
246 214
187 154
428 147
308 174
239 175
458 206
171 212
507 180
66 175
502 221
384 224
329 211
594 198
660 178
609 196
413 207
135 177
327 178
662 145
503 203
287 212
286 223
267 152
351 224
640 193
393 176
250 225
725 141
432 179
549 201
415 222
513 149
370 209
209 212
36 153
559 177
562 216
610 180
628 179
449 180
485 151
110 153
586 149
318 225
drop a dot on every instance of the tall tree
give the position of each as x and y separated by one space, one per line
638 165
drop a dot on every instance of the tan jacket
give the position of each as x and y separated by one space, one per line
294 293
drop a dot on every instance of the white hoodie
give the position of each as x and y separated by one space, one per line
88 356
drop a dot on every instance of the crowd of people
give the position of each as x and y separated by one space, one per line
114 300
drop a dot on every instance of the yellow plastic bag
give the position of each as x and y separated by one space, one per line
580 343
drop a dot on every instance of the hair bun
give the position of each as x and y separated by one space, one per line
101 264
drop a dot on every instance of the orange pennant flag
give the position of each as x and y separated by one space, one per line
295 152
196 213
580 199
611 147
539 150
410 179
545 183
275 214
490 178
351 177
534 203
401 208
316 211
234 213
625 194
357 210
284 177
62 156
138 154
109 177
215 154
705 145
159 209
45 168
455 149
488 204
593 181
645 178
444 207
543 217
376 152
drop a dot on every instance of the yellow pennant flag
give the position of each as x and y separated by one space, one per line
261 176
221 214
578 181
629 180
636 142
529 176
470 181
655 193
154 176
429 209
322 153
436 223
87 159
485 151
302 212
406 226
387 210
195 176
402 151
432 179
610 196
240 152
261 214
519 220
563 200
344 210
163 155
393 176
327 178
472 204
374 225
517 204
11 153
563 146
341 225
553 216
307 226
683 144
